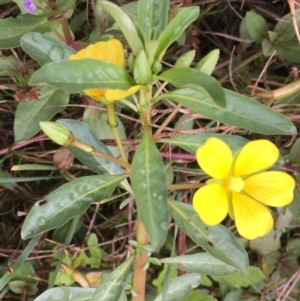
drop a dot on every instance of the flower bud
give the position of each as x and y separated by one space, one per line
142 71
156 67
56 132
186 59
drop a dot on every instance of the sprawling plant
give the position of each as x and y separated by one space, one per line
137 82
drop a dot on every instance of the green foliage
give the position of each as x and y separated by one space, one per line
237 279
85 74
44 49
217 240
151 195
141 148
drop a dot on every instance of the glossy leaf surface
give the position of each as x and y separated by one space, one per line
66 202
125 24
44 49
237 279
180 288
175 28
216 240
180 77
191 143
240 111
84 133
66 294
78 75
202 263
150 191
30 113
112 286
152 17
12 29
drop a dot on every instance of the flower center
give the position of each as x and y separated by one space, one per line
236 184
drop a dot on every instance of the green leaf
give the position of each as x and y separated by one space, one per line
286 50
125 24
97 120
285 27
216 240
237 279
22 287
83 132
256 26
180 77
208 64
191 143
196 295
175 28
181 287
4 175
96 253
150 191
294 207
263 245
66 293
202 263
240 111
152 17
9 65
235 295
66 202
29 114
12 29
113 285
78 75
44 49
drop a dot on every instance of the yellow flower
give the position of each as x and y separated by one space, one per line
241 186
112 52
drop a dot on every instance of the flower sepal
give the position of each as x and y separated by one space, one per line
56 132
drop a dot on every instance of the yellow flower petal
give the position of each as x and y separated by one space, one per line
111 51
272 188
252 219
255 156
117 94
95 93
210 202
215 158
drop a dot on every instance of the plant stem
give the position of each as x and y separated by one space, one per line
89 149
111 118
139 275
166 122
67 32
185 186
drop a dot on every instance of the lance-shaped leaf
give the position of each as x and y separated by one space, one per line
216 240
66 293
202 263
12 29
29 114
150 191
84 133
113 284
125 24
180 77
78 75
152 17
66 202
240 111
180 288
191 143
44 49
175 28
